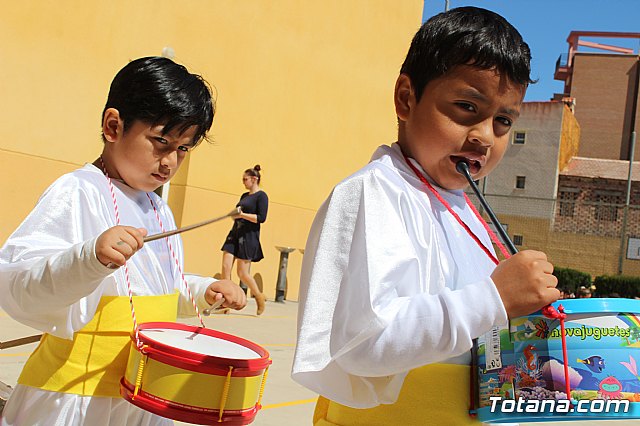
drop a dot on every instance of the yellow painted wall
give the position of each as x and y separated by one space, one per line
569 138
304 88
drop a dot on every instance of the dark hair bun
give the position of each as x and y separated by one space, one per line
256 167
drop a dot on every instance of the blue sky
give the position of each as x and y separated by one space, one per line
546 24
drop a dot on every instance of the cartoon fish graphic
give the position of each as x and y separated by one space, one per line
595 363
529 328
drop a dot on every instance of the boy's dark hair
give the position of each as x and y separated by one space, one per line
156 90
466 36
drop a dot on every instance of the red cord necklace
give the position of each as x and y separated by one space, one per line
444 202
548 311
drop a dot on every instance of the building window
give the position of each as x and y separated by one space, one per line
567 198
519 137
493 227
520 182
607 205
517 239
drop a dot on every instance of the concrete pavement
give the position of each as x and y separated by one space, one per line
284 401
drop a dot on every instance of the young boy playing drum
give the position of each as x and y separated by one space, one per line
69 267
393 287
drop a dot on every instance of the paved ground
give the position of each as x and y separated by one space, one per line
285 402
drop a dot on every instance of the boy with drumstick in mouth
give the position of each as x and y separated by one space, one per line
399 274
69 267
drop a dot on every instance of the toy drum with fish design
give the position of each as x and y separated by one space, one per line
521 370
195 374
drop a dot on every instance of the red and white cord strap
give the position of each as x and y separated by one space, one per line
126 268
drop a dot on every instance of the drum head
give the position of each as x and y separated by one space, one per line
203 344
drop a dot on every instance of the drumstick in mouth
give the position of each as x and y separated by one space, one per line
462 167
154 237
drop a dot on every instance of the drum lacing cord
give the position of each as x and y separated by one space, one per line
550 312
141 364
264 381
225 394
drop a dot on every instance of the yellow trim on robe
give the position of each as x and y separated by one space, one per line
436 394
95 360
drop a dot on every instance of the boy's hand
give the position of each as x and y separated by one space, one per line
234 296
116 245
525 283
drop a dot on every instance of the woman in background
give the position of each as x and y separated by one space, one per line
243 242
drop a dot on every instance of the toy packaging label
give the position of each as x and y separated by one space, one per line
603 358
493 349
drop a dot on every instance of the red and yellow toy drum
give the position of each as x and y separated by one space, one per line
194 374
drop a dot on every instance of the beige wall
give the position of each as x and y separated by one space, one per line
536 160
304 88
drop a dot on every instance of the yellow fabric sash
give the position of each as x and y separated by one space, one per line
436 394
95 360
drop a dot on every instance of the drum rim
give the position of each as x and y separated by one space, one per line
256 364
598 305
162 408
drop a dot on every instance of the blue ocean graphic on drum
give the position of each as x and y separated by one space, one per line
525 362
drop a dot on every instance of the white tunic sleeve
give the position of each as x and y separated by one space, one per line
49 263
374 300
198 286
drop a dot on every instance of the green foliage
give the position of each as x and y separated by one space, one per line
571 279
625 286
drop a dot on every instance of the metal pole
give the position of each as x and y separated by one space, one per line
626 205
446 5
632 148
281 283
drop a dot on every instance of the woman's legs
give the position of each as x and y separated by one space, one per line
227 265
245 277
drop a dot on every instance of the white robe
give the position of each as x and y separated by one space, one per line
390 282
51 280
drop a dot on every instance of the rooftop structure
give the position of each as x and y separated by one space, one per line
600 168
564 64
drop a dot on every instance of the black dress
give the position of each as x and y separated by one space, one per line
243 240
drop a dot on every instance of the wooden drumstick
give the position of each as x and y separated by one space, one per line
154 237
233 212
216 305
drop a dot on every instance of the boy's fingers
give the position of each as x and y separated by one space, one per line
114 257
546 267
552 294
134 237
126 246
139 236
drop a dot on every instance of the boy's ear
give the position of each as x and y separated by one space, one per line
112 125
403 98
